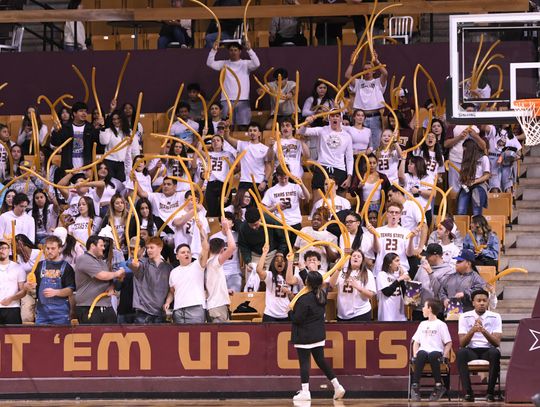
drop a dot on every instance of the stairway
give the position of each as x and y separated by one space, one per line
32 43
522 242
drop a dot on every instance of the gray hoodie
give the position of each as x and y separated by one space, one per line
431 283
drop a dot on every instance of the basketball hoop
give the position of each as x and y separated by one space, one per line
527 112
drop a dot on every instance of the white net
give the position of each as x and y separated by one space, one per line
527 112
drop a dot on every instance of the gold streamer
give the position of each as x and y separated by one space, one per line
31 277
94 92
227 179
85 84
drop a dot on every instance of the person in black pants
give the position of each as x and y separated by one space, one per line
480 334
308 334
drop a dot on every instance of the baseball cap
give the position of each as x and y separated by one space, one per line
133 241
467 255
61 233
449 225
434 248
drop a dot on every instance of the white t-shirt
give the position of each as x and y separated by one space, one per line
432 336
79 229
231 267
390 308
289 196
432 166
388 163
456 152
317 235
221 162
340 204
188 284
334 148
413 181
449 252
277 302
360 138
392 240
367 245
189 232
292 153
253 162
350 302
24 225
368 94
482 166
11 275
182 132
410 218
163 206
216 284
499 140
491 322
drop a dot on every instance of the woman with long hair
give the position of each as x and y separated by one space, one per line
220 162
474 177
215 117
114 134
44 213
143 207
116 218
320 100
438 128
278 292
110 189
7 204
18 158
355 287
391 289
25 132
363 190
87 223
486 243
129 112
142 175
308 334
388 156
64 114
360 134
433 154
405 137
239 204
412 182
353 224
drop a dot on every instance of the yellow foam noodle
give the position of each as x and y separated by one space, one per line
96 300
94 92
507 272
228 178
31 277
138 230
121 76
84 83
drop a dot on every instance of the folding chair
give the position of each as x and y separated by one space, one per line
16 40
400 27
480 367
499 204
426 373
463 223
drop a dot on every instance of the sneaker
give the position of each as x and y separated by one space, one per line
415 393
469 398
490 397
302 396
339 392
438 392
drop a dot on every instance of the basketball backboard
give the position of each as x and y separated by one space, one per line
520 70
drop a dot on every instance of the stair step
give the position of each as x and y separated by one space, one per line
530 194
531 264
520 290
535 151
529 181
533 170
523 229
514 315
528 216
533 253
528 240
517 278
531 160
506 348
523 204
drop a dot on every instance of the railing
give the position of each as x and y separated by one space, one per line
49 29
263 11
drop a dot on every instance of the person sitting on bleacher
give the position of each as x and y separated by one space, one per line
178 31
448 236
480 334
459 286
485 244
